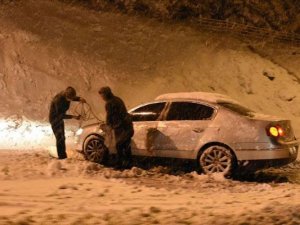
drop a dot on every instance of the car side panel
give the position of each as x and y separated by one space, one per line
182 135
144 142
245 136
150 140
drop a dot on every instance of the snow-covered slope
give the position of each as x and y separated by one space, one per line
272 14
46 46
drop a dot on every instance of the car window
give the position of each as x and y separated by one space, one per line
242 110
189 111
150 112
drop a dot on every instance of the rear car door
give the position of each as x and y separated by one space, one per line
145 120
185 123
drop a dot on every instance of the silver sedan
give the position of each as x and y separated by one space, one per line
220 134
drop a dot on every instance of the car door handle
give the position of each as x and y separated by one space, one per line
198 130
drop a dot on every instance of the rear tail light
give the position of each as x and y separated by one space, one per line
275 131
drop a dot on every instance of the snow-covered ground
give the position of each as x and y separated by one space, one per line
36 189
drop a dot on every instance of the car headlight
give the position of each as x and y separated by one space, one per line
79 132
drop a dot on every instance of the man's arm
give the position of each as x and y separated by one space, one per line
108 108
79 99
67 117
76 99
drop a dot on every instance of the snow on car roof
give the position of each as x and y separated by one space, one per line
200 96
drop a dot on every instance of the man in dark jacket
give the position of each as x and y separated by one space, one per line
59 106
120 121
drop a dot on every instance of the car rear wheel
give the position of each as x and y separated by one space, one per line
217 159
95 150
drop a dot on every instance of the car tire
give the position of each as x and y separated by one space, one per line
95 150
217 159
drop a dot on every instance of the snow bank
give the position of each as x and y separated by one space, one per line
273 14
18 132
44 49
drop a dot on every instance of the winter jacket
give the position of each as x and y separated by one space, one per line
58 108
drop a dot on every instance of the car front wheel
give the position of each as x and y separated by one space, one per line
95 150
217 159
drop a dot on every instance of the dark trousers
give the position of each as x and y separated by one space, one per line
58 128
123 144
124 150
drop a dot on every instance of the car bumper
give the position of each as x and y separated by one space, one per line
289 152
251 160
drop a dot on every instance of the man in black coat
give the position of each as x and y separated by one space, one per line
59 106
120 121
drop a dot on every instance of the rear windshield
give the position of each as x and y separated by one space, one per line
242 110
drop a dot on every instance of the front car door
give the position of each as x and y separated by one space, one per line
145 120
184 125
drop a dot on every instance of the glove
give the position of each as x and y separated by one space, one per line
82 100
77 117
104 127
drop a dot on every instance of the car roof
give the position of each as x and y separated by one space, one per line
197 96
